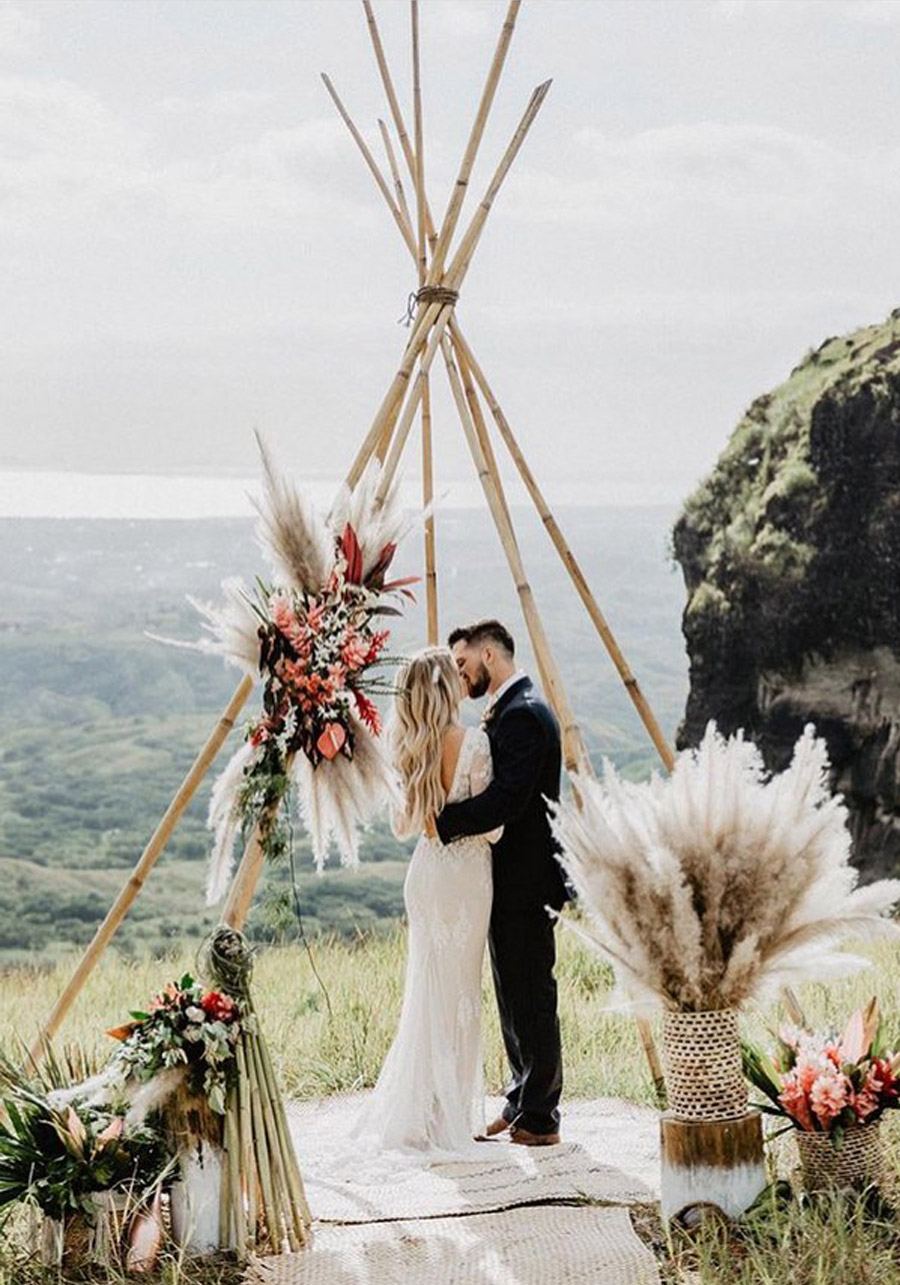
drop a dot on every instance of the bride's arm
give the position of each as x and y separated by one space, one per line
481 773
401 825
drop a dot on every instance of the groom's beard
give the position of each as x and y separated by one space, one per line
479 684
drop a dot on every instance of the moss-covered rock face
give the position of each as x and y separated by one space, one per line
790 551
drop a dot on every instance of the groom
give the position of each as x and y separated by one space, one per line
525 749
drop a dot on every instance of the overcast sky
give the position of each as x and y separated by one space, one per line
190 246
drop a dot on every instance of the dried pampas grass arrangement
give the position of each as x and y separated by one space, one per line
314 635
719 884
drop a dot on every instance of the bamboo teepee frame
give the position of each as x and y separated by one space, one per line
435 328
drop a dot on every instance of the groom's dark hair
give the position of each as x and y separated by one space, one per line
484 631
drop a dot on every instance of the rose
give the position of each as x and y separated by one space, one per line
219 1007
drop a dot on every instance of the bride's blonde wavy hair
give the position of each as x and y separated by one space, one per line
429 692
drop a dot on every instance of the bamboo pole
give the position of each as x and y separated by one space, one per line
371 162
246 1135
399 193
300 1207
431 600
575 755
285 1216
267 1206
431 590
461 261
145 864
420 144
433 317
243 886
648 718
451 217
394 107
575 752
490 459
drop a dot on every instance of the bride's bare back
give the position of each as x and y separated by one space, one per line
451 747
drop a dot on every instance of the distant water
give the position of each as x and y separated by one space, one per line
36 494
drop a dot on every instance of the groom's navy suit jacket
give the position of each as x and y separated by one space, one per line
525 749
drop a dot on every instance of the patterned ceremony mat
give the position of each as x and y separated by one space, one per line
500 1220
550 1245
609 1152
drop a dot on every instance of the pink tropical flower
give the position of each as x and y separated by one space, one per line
865 1103
315 617
832 1050
794 1099
354 651
282 613
828 1096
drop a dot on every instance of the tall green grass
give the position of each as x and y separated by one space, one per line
336 1046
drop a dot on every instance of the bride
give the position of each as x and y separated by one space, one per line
429 1098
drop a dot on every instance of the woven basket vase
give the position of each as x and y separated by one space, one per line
66 1243
855 1163
704 1076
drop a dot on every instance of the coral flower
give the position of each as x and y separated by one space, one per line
282 613
796 1102
354 652
828 1096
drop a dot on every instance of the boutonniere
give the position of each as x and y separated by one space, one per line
488 715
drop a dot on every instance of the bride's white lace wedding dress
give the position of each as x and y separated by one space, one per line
429 1098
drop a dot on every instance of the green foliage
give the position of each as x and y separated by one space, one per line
748 516
57 1159
99 724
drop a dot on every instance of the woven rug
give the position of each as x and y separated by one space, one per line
610 1152
550 1245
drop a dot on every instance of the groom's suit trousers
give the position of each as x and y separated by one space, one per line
523 953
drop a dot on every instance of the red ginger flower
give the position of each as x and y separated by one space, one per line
368 712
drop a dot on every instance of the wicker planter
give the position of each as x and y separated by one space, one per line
704 1075
855 1163
80 1239
66 1242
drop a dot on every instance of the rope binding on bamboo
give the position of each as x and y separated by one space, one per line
427 295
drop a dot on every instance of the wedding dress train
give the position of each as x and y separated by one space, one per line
429 1098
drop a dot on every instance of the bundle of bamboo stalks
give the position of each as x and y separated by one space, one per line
262 1202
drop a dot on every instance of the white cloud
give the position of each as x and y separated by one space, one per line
18 29
219 104
461 17
65 155
877 13
749 171
62 152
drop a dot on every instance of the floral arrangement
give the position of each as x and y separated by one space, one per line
719 883
58 1159
314 634
825 1083
195 1063
187 1029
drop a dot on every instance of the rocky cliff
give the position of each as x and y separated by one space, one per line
790 551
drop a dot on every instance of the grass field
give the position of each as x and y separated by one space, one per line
319 1052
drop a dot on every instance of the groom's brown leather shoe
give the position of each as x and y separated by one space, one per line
525 1139
496 1126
